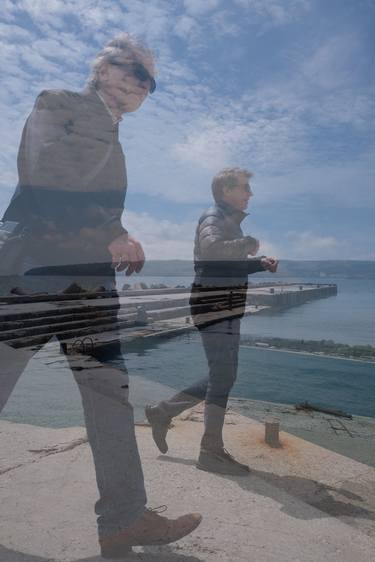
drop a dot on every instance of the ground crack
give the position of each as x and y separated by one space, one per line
59 448
46 451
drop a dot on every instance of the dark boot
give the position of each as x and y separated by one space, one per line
159 423
221 462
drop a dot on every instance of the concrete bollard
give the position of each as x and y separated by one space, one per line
272 427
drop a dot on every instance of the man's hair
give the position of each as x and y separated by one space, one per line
228 178
118 50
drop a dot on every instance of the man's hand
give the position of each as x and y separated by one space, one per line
127 254
270 264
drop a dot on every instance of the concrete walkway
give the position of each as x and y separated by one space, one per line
300 503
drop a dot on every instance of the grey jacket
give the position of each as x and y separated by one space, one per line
72 179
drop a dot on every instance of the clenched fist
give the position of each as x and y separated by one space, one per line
127 254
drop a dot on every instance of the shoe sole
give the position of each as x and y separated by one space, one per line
122 550
218 471
116 552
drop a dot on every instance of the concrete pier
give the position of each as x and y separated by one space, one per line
286 295
300 502
30 320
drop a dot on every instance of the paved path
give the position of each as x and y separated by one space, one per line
300 503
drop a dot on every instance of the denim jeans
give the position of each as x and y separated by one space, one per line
109 422
221 345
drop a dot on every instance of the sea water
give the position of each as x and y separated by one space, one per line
48 397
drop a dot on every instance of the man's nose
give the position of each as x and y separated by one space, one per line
143 86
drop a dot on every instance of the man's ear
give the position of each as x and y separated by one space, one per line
103 72
226 191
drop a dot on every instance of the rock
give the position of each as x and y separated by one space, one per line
98 289
72 289
139 286
18 291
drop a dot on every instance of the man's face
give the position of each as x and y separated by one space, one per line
239 195
119 82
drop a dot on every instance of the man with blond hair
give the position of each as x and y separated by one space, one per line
69 202
218 299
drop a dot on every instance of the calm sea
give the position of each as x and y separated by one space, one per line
49 397
278 376
273 376
348 317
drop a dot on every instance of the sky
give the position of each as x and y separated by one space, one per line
284 88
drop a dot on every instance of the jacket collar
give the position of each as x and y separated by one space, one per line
96 101
230 211
98 108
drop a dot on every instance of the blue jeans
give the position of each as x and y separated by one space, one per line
221 346
109 422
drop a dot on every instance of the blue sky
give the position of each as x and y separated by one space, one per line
282 87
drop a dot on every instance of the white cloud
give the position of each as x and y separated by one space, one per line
275 12
224 23
200 7
41 13
164 239
161 239
185 26
307 245
348 184
14 33
260 143
8 10
189 129
330 66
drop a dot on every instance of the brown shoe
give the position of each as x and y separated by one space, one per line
150 529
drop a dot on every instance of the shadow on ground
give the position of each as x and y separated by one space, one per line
150 554
311 492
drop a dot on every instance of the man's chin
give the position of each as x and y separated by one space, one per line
131 106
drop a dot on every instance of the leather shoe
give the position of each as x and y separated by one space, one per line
150 529
221 462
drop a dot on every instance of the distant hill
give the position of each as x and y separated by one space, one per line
328 268
350 269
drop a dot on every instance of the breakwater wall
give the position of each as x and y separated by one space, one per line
284 296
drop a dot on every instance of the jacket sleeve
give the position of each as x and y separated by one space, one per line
254 265
213 245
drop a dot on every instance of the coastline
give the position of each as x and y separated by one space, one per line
315 354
